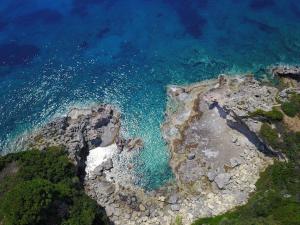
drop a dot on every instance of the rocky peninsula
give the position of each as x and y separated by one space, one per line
212 129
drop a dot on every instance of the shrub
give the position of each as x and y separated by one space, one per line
292 107
45 191
27 202
269 134
52 165
295 98
289 109
291 145
273 115
178 220
84 211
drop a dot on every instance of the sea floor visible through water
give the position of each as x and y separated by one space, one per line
55 55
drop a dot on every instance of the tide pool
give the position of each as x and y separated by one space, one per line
55 55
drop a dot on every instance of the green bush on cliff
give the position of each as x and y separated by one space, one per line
84 211
44 190
28 202
51 165
292 107
291 146
269 134
289 109
273 115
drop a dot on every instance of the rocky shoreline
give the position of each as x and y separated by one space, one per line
216 151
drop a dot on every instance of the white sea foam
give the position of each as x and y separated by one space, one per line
99 155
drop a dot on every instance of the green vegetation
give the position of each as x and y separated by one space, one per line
273 115
178 220
41 188
289 109
292 107
276 200
281 85
269 134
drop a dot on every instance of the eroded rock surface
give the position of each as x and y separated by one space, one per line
209 121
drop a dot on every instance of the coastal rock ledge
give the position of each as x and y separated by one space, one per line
216 152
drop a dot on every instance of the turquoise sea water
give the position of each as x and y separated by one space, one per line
58 54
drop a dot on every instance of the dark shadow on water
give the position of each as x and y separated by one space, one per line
3 25
83 45
189 16
102 32
260 25
14 54
201 4
261 4
45 16
295 9
80 7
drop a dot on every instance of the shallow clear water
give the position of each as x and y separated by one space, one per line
57 54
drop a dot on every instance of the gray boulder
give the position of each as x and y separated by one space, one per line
211 175
235 162
191 156
173 199
175 207
108 164
222 180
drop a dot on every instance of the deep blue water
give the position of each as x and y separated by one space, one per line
57 54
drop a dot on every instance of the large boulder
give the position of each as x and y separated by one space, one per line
222 180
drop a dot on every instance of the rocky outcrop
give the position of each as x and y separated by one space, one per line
78 132
216 152
286 71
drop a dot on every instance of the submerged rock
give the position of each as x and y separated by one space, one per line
136 143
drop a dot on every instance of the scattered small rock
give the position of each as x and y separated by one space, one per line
234 139
108 164
191 156
211 176
161 198
109 211
173 199
98 171
136 143
235 162
222 180
142 207
175 207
